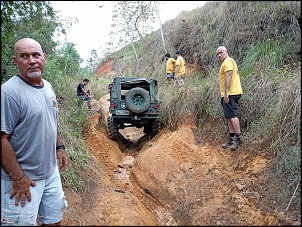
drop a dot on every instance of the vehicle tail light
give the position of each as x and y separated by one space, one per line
113 105
156 106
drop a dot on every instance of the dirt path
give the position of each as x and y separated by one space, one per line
169 180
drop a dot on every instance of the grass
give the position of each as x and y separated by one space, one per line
270 108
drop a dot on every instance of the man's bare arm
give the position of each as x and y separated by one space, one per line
228 79
20 182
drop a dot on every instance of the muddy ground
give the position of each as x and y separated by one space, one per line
169 180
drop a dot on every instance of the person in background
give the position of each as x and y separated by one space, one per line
82 94
32 153
180 69
169 67
231 91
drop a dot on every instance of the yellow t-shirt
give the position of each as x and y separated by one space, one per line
170 65
182 69
235 87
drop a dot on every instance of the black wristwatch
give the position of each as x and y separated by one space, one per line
60 147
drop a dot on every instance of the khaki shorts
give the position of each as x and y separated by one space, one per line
180 77
180 81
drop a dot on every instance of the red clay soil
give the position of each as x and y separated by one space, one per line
169 180
104 69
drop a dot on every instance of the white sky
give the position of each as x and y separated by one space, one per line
92 30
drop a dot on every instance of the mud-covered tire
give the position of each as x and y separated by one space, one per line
147 129
152 128
155 125
112 129
137 100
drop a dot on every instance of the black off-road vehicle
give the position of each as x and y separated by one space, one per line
134 102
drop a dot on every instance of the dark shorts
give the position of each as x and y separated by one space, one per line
230 109
170 76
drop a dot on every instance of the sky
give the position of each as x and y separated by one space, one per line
93 27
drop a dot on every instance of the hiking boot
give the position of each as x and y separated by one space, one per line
229 143
237 143
233 147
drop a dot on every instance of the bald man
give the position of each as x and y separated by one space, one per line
231 91
31 150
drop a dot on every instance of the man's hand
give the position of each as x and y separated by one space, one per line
21 189
62 159
226 97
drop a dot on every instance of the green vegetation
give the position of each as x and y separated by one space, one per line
263 37
265 40
271 53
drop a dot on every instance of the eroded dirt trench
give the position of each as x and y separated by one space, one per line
168 180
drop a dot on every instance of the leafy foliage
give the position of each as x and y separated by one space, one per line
263 37
131 22
37 20
19 19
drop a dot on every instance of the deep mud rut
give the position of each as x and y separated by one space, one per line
168 180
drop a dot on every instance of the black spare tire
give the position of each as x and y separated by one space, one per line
137 100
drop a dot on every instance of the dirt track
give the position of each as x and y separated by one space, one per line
168 180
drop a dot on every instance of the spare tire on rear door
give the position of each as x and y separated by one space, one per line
137 100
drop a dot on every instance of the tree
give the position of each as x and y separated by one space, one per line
160 26
70 59
93 60
132 21
34 19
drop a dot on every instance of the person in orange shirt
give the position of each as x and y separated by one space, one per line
180 69
230 91
169 67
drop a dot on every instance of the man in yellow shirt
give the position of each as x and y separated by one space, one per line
180 69
169 67
231 91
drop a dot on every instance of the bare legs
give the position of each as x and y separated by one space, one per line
234 126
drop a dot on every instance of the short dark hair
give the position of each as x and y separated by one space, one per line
167 55
85 80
